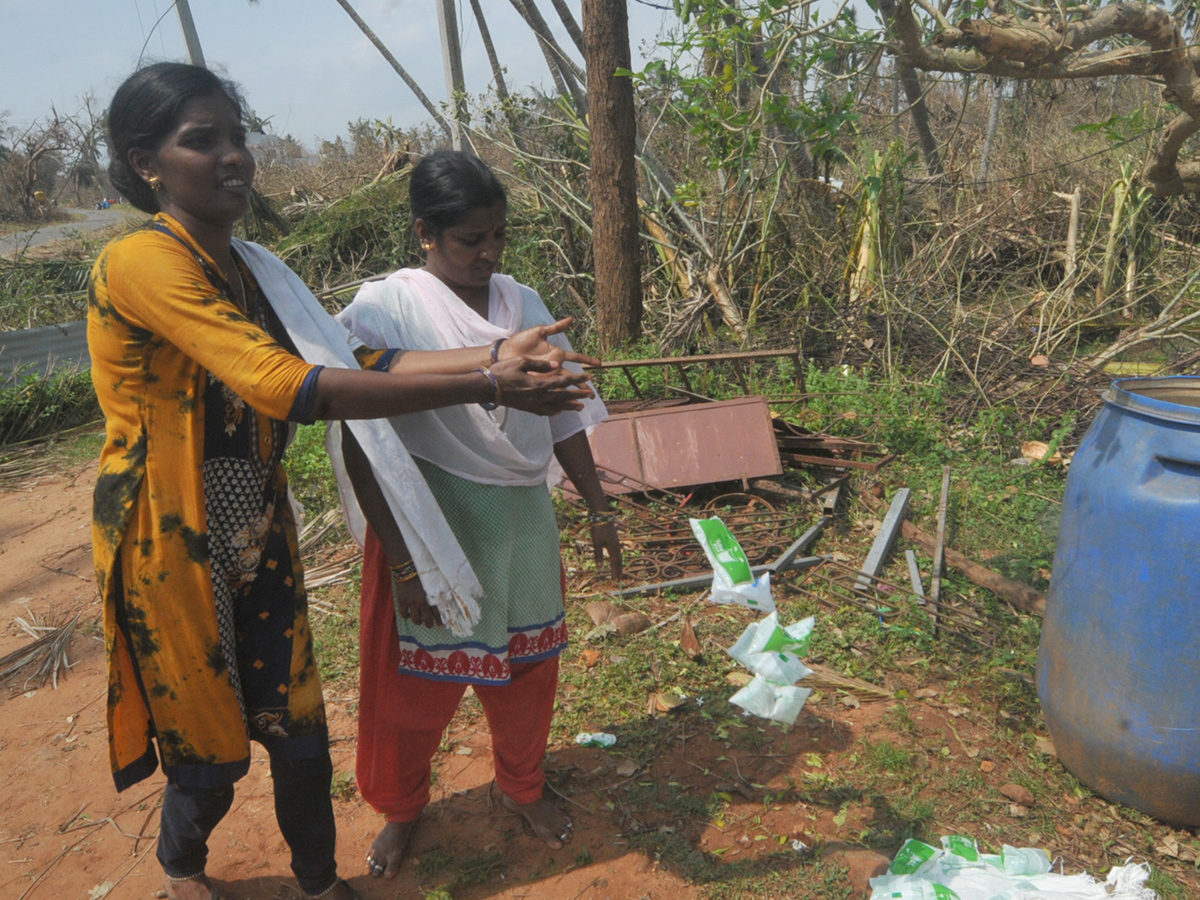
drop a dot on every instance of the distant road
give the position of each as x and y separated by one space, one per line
43 349
93 220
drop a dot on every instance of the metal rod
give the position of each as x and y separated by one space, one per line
704 580
802 543
689 360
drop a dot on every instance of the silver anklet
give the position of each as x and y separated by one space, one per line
181 878
328 890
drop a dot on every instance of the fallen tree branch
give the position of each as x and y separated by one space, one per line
1022 596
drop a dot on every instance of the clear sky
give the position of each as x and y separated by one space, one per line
304 63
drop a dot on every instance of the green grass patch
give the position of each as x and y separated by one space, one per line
35 406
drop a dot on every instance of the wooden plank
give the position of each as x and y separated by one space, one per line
834 462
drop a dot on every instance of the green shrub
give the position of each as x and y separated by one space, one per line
33 405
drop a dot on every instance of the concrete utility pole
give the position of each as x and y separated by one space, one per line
452 61
195 54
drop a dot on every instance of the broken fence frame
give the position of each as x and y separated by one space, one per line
786 561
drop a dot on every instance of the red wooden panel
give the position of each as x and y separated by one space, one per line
701 443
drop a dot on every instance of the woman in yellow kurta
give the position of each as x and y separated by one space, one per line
196 344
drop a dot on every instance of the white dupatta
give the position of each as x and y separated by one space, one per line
446 575
414 310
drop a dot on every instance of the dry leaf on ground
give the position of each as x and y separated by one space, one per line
688 642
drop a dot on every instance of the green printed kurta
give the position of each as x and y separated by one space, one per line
165 340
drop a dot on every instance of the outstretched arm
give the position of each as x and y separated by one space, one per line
531 343
523 384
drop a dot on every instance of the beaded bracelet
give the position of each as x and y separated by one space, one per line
601 518
405 571
496 349
495 401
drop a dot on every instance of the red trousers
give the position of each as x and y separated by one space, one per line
401 718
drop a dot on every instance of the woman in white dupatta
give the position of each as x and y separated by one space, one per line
487 467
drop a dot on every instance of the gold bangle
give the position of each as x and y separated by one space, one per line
405 571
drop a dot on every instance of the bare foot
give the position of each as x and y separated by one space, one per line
194 889
548 822
387 850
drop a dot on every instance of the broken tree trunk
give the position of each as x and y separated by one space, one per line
612 129
1019 595
1046 48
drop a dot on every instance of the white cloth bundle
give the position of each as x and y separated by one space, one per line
414 310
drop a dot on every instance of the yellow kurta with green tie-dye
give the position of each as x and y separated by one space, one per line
157 326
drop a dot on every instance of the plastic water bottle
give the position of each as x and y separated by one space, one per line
595 739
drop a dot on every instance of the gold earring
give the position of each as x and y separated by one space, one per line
155 184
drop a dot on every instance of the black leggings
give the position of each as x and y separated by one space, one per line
303 809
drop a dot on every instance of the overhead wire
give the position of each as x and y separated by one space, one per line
153 29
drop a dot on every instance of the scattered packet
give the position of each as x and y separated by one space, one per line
958 871
1024 860
960 850
779 702
595 739
772 651
733 579
911 856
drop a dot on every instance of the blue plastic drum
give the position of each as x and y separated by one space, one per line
1119 662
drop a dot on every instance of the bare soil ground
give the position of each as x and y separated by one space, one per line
66 834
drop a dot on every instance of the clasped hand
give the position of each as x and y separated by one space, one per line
531 376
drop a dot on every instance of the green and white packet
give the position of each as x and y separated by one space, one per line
958 871
779 702
768 649
733 579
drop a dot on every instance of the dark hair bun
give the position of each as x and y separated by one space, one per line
447 184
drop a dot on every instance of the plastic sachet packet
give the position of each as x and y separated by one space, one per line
959 851
958 871
768 649
779 702
733 579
